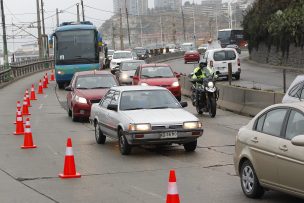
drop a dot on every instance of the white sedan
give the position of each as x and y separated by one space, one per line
120 56
142 115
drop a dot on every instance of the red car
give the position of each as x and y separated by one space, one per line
158 75
86 88
192 56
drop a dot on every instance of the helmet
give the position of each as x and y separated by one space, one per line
202 64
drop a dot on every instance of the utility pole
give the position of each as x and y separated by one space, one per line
83 19
45 37
194 25
113 35
78 15
5 54
140 22
39 30
161 30
57 17
174 30
121 34
128 24
184 29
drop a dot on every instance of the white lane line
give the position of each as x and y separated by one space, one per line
148 193
40 107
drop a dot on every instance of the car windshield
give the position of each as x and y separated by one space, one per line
147 99
224 55
157 72
110 52
126 66
95 82
122 55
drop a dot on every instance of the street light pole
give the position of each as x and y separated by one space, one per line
5 54
45 38
39 30
57 17
128 24
78 15
83 18
183 18
194 25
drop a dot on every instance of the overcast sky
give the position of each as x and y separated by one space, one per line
23 12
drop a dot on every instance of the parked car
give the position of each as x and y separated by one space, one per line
192 56
119 56
295 92
85 89
126 71
202 49
158 75
234 46
131 114
141 53
220 58
269 151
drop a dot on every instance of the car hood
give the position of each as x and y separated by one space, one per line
121 60
91 94
152 116
128 73
159 81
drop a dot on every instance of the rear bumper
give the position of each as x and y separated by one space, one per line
191 58
154 137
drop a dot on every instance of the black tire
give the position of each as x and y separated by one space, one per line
251 188
198 109
179 98
190 146
69 112
212 107
124 147
99 136
185 62
237 77
74 118
60 85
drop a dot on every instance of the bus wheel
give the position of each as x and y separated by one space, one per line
60 85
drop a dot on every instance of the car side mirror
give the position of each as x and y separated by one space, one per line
298 140
112 107
184 104
68 88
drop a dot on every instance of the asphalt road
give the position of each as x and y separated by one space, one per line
253 75
206 175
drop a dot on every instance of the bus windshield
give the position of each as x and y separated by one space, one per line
227 37
76 47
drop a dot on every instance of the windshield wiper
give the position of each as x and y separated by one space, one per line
131 109
100 87
82 88
160 107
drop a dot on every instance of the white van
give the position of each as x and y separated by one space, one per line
219 59
295 92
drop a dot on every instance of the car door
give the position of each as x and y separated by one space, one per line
113 116
291 157
136 76
264 144
103 113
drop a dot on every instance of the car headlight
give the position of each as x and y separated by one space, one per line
124 76
192 125
144 84
175 84
80 100
60 72
140 127
210 84
142 55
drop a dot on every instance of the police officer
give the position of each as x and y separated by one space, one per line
202 71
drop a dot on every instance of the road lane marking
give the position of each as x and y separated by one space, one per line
40 107
149 193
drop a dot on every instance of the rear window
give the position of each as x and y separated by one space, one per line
224 55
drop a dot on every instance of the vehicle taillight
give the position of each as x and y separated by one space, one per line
211 63
239 62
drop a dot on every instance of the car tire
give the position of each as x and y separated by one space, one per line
60 85
198 109
179 98
190 146
249 181
74 118
99 136
237 77
69 112
124 147
185 62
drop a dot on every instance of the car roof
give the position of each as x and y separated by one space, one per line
93 72
154 65
297 105
222 49
136 88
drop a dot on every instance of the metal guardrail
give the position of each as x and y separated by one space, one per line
21 69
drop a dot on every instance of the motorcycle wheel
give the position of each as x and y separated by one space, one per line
212 107
198 109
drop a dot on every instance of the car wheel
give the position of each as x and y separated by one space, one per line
124 147
179 98
190 146
60 85
74 118
99 136
249 181
69 112
185 62
237 77
198 109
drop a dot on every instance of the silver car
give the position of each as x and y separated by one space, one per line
142 115
127 70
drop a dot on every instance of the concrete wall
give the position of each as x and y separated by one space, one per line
274 56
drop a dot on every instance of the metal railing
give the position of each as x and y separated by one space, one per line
24 68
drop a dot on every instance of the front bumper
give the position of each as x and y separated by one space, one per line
176 91
82 110
154 137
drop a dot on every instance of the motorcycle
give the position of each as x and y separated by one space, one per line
205 95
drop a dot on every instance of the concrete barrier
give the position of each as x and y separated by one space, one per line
243 101
165 57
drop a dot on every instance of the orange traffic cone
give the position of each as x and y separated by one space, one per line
69 163
28 137
18 108
40 88
52 75
28 98
172 195
19 124
44 83
33 95
25 110
46 78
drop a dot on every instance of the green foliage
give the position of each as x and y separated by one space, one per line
275 22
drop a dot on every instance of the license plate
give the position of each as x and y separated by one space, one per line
168 135
191 55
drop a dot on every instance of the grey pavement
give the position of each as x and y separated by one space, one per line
206 175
